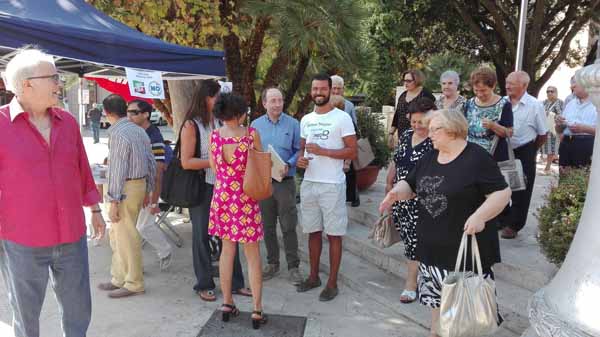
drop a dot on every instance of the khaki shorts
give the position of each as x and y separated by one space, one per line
323 208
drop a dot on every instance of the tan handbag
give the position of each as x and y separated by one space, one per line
365 154
384 233
468 307
257 178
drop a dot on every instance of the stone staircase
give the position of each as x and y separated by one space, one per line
380 272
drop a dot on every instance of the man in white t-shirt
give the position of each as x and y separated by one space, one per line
327 138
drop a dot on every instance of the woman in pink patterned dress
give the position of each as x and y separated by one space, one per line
235 217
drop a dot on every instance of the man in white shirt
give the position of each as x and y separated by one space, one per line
578 126
529 134
327 138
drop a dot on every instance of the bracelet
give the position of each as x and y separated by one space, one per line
97 211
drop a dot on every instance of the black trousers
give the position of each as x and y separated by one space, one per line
521 199
351 188
201 252
576 151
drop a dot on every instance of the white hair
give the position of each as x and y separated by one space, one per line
452 75
336 79
23 65
521 76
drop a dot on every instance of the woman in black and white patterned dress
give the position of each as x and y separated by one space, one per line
413 144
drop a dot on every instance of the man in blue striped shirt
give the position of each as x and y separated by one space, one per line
138 111
131 178
282 132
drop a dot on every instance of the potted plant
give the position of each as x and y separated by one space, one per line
371 125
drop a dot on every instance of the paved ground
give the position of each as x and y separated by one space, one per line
170 307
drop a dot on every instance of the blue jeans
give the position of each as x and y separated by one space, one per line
96 131
26 271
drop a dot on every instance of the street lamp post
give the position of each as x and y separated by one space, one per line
521 40
568 306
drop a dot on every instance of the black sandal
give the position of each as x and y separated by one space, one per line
257 322
233 311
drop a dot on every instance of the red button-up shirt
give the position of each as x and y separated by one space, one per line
43 186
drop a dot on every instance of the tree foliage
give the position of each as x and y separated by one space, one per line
551 27
408 33
289 39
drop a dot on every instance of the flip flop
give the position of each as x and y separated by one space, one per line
243 292
408 296
207 295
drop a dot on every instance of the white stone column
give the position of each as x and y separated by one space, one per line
570 305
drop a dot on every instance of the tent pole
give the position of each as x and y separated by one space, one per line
81 105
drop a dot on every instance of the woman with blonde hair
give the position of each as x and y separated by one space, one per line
460 188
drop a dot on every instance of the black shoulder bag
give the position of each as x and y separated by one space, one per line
181 187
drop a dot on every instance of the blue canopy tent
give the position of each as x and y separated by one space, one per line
86 41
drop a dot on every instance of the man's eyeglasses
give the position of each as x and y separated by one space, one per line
134 112
55 77
550 91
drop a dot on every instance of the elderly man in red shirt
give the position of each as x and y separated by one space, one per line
45 180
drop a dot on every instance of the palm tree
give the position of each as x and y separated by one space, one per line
324 35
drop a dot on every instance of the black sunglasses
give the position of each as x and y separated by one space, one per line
134 112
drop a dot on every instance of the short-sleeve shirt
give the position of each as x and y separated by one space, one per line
499 112
529 121
400 121
158 143
327 130
448 194
458 105
581 113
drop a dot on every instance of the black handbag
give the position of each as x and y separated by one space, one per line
181 187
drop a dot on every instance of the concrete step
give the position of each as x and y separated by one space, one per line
522 262
368 271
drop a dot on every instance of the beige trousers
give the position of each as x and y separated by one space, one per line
126 268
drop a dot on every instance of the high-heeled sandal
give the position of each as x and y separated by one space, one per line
232 312
257 322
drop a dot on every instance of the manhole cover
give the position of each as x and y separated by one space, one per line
277 326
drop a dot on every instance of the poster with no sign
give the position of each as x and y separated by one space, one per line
145 83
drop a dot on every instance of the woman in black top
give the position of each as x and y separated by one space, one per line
413 82
412 146
460 188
